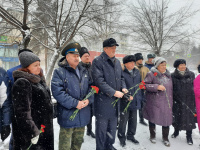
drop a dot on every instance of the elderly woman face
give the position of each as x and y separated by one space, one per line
162 67
182 67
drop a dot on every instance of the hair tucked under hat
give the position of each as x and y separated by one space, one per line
178 62
27 58
158 60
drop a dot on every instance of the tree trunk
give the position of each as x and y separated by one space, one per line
51 67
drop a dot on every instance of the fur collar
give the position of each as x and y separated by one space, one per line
167 73
30 77
179 76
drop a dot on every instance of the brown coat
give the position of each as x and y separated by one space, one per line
143 71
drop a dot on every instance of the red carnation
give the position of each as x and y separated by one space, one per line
96 89
42 129
141 86
42 126
195 115
143 82
155 74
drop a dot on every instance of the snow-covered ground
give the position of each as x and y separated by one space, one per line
142 136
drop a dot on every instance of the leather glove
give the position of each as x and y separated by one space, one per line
35 139
5 132
126 96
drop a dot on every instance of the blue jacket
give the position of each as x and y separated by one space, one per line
109 78
5 101
148 65
10 73
68 89
131 81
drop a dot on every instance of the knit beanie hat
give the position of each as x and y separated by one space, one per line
83 50
27 58
158 60
128 58
178 62
138 56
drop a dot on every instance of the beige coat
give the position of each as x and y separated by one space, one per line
143 71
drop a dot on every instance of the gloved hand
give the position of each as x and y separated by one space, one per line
35 139
5 132
126 96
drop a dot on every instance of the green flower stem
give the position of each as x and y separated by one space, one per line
167 98
133 86
29 146
77 110
189 108
126 109
115 102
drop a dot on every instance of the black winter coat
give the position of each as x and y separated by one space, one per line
183 100
32 108
131 81
108 77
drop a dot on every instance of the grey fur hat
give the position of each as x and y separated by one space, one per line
158 60
26 58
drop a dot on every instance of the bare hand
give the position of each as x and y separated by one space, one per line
86 102
131 98
80 105
125 90
161 88
118 94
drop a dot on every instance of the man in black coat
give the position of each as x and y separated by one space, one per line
107 75
85 62
132 78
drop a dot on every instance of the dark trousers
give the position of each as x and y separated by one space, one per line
89 126
105 132
153 125
141 111
188 132
131 118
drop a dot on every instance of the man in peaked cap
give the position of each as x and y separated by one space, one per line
85 62
149 64
107 75
70 85
143 72
71 48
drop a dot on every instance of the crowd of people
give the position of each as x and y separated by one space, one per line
162 98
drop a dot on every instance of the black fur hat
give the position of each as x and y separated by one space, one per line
178 62
128 58
138 56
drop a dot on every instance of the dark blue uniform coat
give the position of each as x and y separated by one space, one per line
68 89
